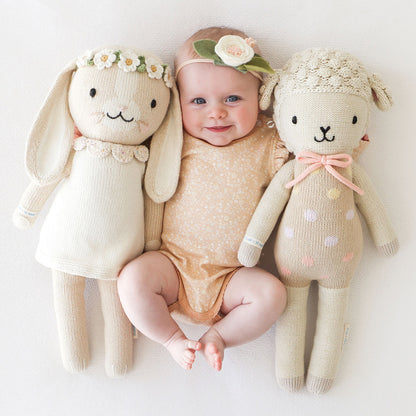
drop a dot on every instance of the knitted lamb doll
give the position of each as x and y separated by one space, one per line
117 98
321 109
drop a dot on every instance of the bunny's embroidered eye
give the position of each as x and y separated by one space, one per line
294 120
354 120
153 104
93 91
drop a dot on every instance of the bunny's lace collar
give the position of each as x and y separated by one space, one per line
121 152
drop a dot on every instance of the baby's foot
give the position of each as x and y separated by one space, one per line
213 348
182 349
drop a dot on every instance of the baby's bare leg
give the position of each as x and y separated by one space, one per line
147 285
253 301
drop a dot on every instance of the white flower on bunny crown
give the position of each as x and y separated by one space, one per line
128 61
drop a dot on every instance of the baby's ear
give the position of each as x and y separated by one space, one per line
381 92
266 90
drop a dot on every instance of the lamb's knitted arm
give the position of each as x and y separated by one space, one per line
265 217
153 219
374 213
31 203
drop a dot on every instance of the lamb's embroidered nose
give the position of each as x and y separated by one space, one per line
324 131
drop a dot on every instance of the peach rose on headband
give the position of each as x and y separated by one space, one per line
234 50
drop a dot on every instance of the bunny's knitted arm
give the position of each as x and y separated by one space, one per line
374 213
153 217
31 203
265 217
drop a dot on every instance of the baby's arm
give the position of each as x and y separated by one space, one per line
153 218
265 217
374 213
31 203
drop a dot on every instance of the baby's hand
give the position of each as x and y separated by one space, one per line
389 249
248 255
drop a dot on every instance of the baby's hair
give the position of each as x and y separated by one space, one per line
187 52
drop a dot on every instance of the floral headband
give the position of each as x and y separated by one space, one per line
232 51
128 61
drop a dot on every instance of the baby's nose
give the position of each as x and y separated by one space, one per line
218 112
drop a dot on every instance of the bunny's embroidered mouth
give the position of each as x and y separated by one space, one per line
120 115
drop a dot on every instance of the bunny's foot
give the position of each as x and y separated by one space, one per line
318 385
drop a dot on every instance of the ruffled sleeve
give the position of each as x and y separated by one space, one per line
279 154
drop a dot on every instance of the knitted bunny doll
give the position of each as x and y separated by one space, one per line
321 109
117 98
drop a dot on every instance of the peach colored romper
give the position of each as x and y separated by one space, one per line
205 221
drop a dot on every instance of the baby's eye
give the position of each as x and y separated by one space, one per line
93 91
199 100
232 99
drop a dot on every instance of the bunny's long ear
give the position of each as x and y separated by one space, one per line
162 171
267 89
50 139
381 92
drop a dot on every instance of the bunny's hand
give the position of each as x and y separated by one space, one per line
248 255
31 203
23 218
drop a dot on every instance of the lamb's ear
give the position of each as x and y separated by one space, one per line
266 90
50 139
381 92
162 171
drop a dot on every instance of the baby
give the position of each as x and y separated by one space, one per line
230 155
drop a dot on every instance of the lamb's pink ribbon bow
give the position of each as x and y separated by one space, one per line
316 161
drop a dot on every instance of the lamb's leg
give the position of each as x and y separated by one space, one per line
70 314
290 340
118 331
327 347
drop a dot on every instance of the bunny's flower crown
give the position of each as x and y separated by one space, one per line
128 61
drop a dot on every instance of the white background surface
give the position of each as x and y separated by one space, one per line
377 371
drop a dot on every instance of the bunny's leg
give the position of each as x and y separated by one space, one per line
290 340
118 331
70 314
328 340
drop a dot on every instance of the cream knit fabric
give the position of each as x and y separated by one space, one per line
204 222
95 226
321 109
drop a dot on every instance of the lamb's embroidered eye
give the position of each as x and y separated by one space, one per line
93 91
294 119
354 120
153 104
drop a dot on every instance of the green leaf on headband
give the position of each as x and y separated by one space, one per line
206 48
259 64
242 68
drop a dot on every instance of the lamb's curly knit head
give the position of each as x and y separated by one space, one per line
323 99
324 70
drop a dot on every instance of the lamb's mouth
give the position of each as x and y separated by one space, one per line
324 138
120 115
